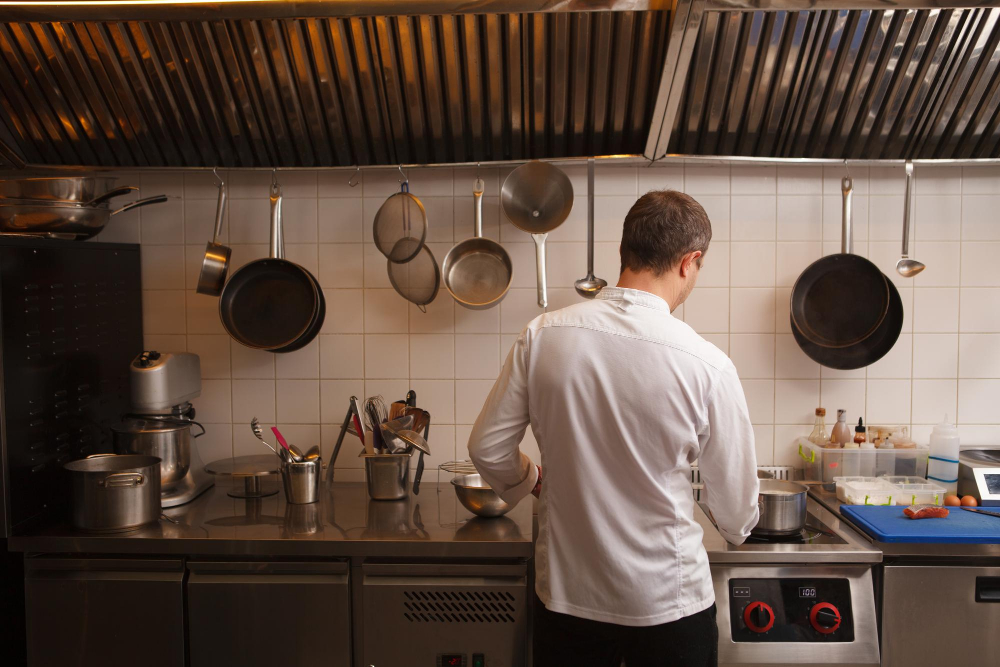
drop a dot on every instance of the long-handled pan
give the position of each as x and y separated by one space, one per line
836 288
477 272
840 300
270 303
215 265
536 198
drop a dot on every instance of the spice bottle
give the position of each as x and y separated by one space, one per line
841 433
859 432
819 436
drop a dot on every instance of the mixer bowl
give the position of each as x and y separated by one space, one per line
169 441
479 497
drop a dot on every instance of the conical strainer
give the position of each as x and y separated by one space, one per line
400 226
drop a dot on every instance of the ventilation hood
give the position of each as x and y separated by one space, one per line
331 83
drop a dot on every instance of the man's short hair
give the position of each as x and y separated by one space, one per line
662 227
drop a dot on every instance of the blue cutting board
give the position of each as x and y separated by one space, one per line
889 524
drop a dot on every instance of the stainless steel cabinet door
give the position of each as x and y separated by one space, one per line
104 612
940 616
269 614
427 614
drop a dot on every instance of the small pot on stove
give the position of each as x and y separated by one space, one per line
782 508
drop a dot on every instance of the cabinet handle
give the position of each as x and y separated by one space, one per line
987 589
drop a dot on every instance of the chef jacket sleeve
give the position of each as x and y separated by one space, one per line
728 459
493 444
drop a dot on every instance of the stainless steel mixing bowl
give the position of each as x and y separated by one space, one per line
478 497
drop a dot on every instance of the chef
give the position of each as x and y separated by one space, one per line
623 398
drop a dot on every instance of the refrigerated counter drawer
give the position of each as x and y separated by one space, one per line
940 615
429 615
269 613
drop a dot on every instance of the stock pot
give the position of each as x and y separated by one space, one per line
115 493
782 507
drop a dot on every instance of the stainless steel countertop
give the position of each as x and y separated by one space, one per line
894 550
856 550
345 523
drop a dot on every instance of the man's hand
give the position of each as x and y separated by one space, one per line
538 485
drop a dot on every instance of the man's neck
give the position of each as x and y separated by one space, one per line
663 286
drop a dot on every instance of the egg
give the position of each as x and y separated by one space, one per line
952 501
969 501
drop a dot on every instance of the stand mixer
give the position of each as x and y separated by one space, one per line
163 385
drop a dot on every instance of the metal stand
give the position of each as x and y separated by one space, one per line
251 469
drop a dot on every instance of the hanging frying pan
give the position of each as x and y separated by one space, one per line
313 329
270 303
840 300
536 198
866 352
820 304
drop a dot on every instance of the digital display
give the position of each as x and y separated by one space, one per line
992 484
452 660
807 592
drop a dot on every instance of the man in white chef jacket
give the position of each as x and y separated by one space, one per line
622 399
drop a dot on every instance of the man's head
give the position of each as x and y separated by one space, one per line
665 237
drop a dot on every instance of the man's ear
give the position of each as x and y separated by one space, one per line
688 262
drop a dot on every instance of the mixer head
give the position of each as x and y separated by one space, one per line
162 381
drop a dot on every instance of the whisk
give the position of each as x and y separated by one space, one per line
375 414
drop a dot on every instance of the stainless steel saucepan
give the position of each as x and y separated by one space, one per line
782 507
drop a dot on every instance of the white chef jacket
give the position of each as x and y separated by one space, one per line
622 399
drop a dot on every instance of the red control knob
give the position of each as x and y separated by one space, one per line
824 618
759 617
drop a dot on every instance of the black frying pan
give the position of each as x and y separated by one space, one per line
314 328
840 300
862 354
269 304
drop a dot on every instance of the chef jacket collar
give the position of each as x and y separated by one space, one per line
627 297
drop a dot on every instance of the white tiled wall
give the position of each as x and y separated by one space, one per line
768 223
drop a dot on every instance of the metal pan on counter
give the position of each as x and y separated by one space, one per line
115 493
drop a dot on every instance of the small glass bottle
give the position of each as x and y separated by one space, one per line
859 432
819 436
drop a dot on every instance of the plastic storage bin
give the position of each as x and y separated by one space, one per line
917 491
872 491
823 465
841 485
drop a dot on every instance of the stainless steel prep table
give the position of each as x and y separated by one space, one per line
937 603
345 523
384 582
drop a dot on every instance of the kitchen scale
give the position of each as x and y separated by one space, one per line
988 483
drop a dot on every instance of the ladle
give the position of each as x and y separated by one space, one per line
907 267
590 285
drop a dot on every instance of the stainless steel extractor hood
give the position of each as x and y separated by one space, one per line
854 80
314 84
331 83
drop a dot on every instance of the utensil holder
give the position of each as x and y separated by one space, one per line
387 476
302 480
